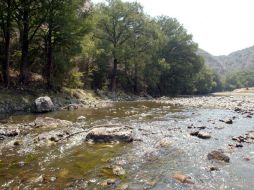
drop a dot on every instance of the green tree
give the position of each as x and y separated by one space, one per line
179 52
116 24
7 8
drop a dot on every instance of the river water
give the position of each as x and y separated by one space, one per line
147 164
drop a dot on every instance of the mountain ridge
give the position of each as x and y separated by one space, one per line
236 61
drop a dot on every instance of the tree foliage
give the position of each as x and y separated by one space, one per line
110 46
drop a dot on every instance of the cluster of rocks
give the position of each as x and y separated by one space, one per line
247 138
58 131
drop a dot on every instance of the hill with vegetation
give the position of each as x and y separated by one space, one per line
242 60
236 70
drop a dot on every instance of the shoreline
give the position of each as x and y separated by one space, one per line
17 102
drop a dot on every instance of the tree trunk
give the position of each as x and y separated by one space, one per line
6 63
49 55
135 78
113 79
24 46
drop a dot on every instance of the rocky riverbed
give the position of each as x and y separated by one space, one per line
180 143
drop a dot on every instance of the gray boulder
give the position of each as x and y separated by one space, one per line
110 133
43 104
218 155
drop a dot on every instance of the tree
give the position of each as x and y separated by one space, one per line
62 32
29 18
116 24
6 22
179 52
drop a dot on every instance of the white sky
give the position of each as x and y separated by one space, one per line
218 26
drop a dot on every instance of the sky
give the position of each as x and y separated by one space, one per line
218 26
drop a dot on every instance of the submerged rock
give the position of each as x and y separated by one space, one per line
49 122
43 104
109 134
218 155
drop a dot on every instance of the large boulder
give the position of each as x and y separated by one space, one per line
43 104
110 133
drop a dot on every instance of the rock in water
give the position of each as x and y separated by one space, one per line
43 104
227 121
118 170
204 135
9 132
183 179
201 134
111 133
81 119
218 155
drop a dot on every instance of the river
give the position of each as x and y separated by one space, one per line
163 147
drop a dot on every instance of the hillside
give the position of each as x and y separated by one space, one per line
236 61
212 61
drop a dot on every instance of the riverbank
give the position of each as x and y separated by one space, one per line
14 101
240 103
20 101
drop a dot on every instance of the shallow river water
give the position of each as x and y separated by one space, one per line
148 165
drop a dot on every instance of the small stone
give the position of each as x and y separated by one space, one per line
183 179
238 145
202 127
238 109
108 182
204 135
213 168
247 158
81 119
54 139
118 170
52 179
17 143
194 133
227 121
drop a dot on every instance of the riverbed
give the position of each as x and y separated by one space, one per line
163 148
